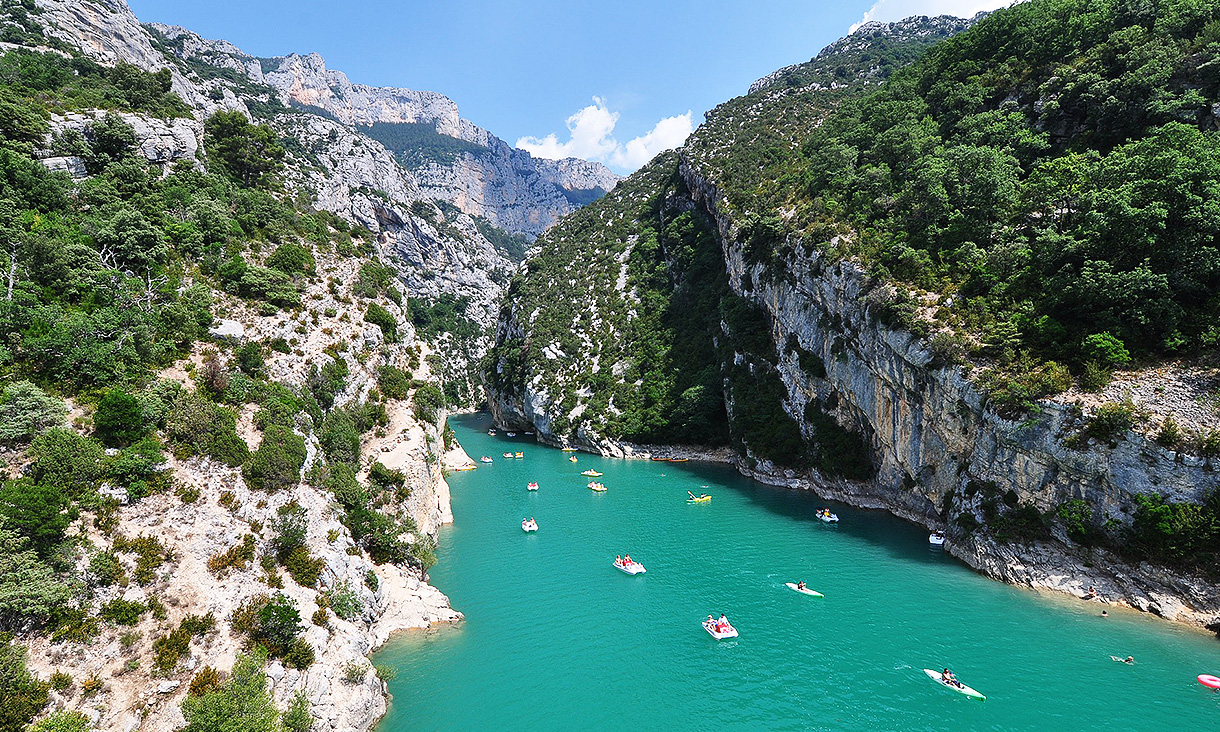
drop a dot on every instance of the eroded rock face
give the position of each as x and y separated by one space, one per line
161 142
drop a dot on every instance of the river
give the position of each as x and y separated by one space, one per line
556 639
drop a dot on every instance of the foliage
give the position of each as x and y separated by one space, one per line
290 526
29 589
393 382
339 438
297 717
417 144
303 568
447 314
140 469
26 410
382 318
106 569
276 464
241 703
386 479
344 601
66 459
197 426
62 721
122 612
428 402
1177 534
119 419
249 153
237 556
170 648
1077 516
292 259
150 554
24 696
207 679
37 511
1112 419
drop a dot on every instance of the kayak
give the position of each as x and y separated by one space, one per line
591 473
630 568
1121 660
963 689
1211 682
728 632
511 434
805 590
562 449
520 455
532 486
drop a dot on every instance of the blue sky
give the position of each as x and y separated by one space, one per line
612 81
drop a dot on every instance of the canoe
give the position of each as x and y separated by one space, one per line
700 499
632 568
679 460
1211 682
804 590
963 689
729 632
565 449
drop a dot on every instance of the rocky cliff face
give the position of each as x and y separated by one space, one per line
491 179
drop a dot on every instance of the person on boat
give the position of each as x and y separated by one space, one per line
948 677
618 559
800 585
627 560
723 623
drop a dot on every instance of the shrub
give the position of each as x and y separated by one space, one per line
150 554
139 469
393 382
64 458
122 612
354 672
382 318
385 478
291 525
344 601
169 649
291 259
36 511
385 672
428 401
60 681
1112 419
1177 534
24 696
250 154
304 568
62 721
1077 518
1105 349
1013 389
106 569
237 556
1170 434
207 679
1095 377
339 438
277 463
25 410
300 655
297 717
119 419
371 581
241 703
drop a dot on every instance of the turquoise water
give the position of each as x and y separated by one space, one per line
557 639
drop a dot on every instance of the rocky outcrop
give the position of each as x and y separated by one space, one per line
161 142
507 186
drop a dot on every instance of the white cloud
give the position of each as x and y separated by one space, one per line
591 137
887 11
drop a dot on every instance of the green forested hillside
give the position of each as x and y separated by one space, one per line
1051 173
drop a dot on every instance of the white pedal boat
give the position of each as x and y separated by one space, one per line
630 567
485 459
711 627
936 538
529 525
826 517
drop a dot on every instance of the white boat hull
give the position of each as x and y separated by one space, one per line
963 689
633 568
731 632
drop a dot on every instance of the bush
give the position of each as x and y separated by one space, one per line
1112 419
277 463
169 649
249 357
66 459
207 679
119 419
250 154
300 655
139 469
1077 518
25 410
393 382
150 554
304 568
291 259
344 601
1105 349
354 672
428 401
385 478
106 569
242 703
297 717
122 612
291 525
1177 534
62 721
24 696
382 318
36 511
340 439
237 556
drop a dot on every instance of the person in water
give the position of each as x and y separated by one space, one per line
1129 659
1105 614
